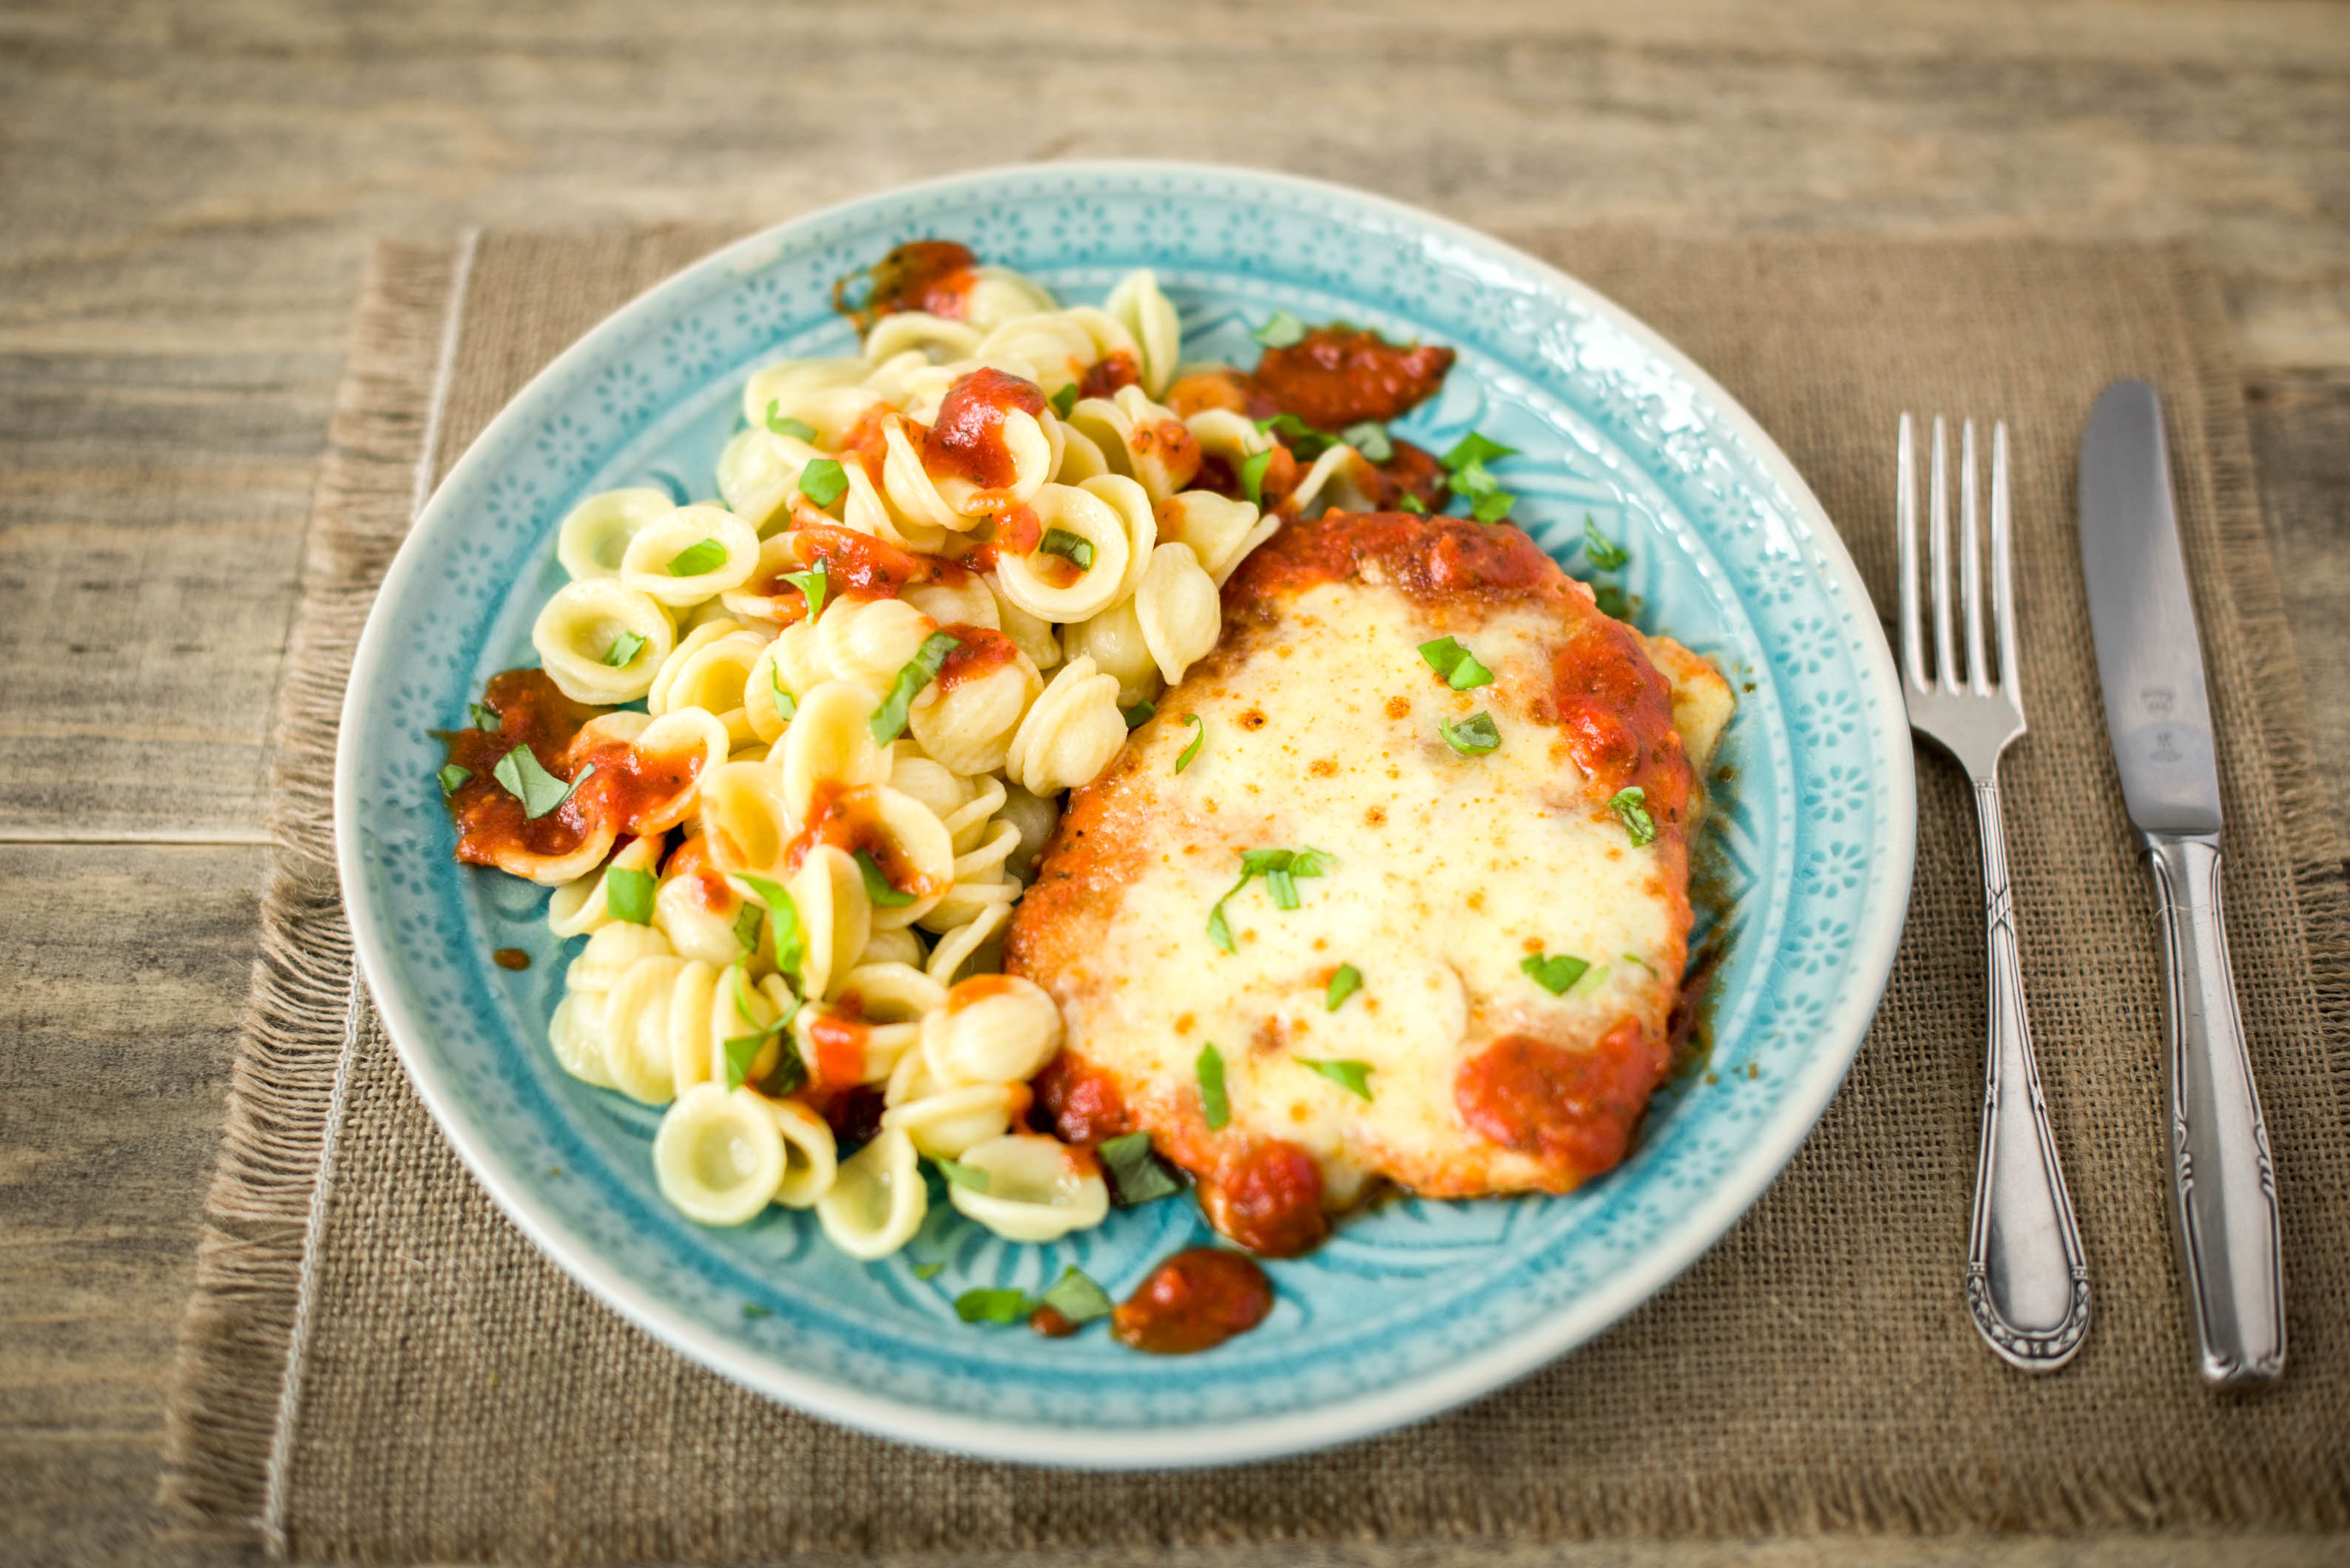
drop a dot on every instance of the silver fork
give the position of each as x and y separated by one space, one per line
2027 1278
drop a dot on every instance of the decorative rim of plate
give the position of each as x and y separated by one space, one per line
1257 1437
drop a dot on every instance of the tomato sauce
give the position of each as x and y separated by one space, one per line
1079 1104
867 443
845 819
1335 377
1440 561
935 275
1574 1111
1268 1199
490 822
839 1033
689 863
983 653
1227 389
860 567
630 786
1195 1300
966 440
1411 470
1104 376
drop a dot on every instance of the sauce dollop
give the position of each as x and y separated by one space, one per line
935 276
531 711
1195 1300
980 652
966 440
1573 1110
1335 377
1268 1199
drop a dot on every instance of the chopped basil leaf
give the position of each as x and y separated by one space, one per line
1280 869
1253 474
694 561
822 481
1136 1174
1220 930
1304 441
1593 979
1413 504
1632 805
1199 735
1455 664
784 920
878 889
1211 1068
740 1052
1553 972
812 584
1347 980
539 790
1138 715
629 895
1370 439
963 1175
788 706
929 1270
1312 862
789 1076
1601 551
1281 332
1074 548
453 776
753 1310
1355 1078
890 719
1474 449
625 647
1065 402
1075 1296
1609 598
485 717
1473 736
746 927
799 429
1491 502
983 1305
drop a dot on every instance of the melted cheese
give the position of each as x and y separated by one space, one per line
1449 870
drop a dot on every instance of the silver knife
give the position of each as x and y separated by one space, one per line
2159 717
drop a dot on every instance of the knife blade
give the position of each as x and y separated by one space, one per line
2159 716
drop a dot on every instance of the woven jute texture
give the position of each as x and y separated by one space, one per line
378 1366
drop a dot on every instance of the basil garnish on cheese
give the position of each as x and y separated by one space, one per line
1631 805
1555 973
1472 736
1458 667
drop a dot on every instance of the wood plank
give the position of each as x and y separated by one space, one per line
128 967
2301 436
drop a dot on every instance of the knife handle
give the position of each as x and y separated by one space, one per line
2224 1187
2027 1274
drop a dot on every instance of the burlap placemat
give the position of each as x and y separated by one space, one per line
377 1365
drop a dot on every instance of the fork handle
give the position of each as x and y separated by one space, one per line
2224 1187
2027 1277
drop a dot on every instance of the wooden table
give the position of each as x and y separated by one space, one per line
189 193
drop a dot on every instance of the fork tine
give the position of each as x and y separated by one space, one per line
1970 562
1937 507
1913 630
2003 568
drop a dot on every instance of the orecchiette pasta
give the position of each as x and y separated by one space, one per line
1071 731
794 880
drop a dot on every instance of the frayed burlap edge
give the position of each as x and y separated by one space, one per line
236 1377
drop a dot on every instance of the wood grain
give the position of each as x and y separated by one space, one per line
190 191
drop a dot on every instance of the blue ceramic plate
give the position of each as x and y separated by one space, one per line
1409 1310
